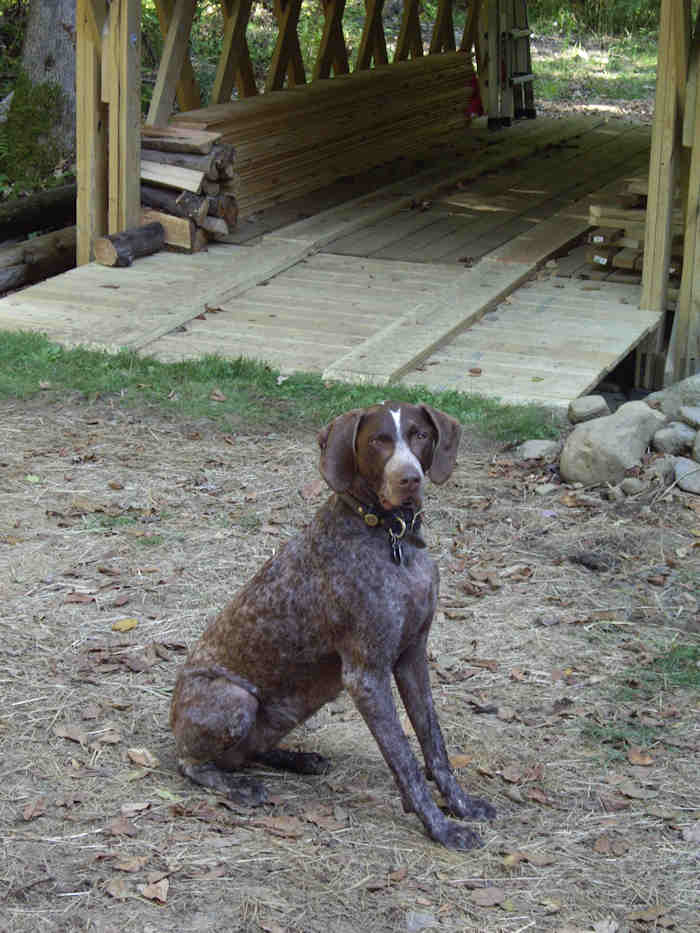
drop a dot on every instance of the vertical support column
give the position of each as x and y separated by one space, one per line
443 37
410 41
91 128
286 58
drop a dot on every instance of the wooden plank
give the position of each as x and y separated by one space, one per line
91 129
171 176
179 231
172 60
178 139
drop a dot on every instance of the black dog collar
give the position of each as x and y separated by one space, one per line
398 523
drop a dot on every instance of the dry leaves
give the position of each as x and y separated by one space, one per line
487 897
71 731
124 625
155 890
639 756
143 757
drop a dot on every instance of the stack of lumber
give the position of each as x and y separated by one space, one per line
617 242
188 185
34 260
294 141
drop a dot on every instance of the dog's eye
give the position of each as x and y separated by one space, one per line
418 435
380 439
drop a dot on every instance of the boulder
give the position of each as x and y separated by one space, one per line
688 475
586 408
674 438
600 451
537 450
690 414
671 400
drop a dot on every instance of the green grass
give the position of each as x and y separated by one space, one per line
619 69
677 668
254 393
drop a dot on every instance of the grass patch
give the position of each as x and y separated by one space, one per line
676 669
232 392
619 69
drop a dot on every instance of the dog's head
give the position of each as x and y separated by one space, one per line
387 450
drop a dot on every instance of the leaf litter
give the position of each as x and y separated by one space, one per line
534 661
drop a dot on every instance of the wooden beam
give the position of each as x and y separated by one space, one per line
94 14
286 58
443 37
373 41
188 96
410 41
663 167
684 352
91 134
471 29
130 113
170 68
332 52
234 65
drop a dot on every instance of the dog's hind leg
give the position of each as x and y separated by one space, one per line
287 760
212 716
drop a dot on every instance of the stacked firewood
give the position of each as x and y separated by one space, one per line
617 242
294 141
188 184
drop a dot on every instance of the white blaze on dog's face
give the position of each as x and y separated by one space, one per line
394 449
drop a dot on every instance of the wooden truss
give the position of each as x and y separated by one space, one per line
109 93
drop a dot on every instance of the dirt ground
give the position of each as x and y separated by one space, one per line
553 608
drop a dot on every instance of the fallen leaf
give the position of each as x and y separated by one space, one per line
487 897
460 761
636 755
396 876
538 795
648 915
156 891
129 809
118 888
122 827
79 598
34 809
131 863
512 773
217 396
71 731
312 490
636 793
124 625
288 827
143 757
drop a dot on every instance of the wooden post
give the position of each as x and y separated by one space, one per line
410 41
234 61
663 167
91 128
332 52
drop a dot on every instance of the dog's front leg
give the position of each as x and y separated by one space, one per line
371 692
413 681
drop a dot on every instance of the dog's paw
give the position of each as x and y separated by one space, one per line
478 809
237 787
456 836
299 762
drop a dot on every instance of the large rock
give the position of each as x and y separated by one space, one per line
671 400
674 438
688 475
601 451
586 408
537 450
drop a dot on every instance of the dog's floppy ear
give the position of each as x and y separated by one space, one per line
337 443
449 431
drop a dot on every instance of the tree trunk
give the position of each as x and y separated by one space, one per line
48 56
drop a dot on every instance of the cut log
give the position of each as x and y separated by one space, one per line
215 226
120 249
13 277
223 205
218 163
180 233
34 250
177 139
180 204
44 210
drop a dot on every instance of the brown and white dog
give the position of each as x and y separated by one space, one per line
345 604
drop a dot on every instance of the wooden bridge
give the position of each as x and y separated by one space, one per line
445 278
